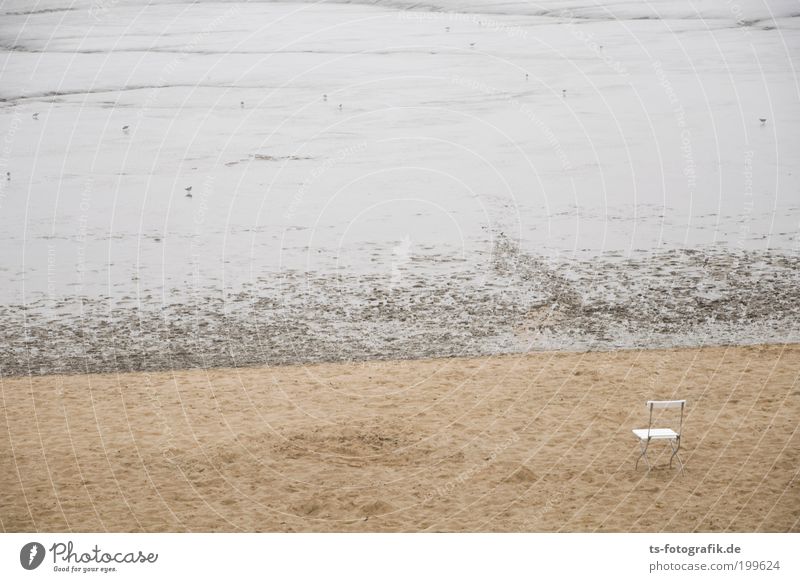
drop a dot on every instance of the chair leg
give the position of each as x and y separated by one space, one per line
675 450
643 444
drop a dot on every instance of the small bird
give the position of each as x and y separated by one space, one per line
188 191
472 45
526 76
241 104
564 93
447 29
763 120
325 97
8 175
340 106
125 128
36 116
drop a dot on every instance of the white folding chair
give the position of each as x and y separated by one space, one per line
645 435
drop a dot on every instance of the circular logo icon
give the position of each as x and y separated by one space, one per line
31 555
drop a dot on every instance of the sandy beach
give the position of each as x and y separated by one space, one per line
536 442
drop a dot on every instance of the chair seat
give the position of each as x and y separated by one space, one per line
655 433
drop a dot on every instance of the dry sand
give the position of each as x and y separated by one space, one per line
536 442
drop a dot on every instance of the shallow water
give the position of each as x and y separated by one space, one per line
603 144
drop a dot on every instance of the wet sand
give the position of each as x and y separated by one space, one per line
513 302
532 442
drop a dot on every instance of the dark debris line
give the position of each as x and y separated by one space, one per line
519 302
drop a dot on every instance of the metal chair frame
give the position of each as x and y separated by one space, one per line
673 437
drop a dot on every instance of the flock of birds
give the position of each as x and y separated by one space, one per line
188 189
126 128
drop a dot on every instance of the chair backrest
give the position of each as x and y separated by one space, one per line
666 403
661 404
